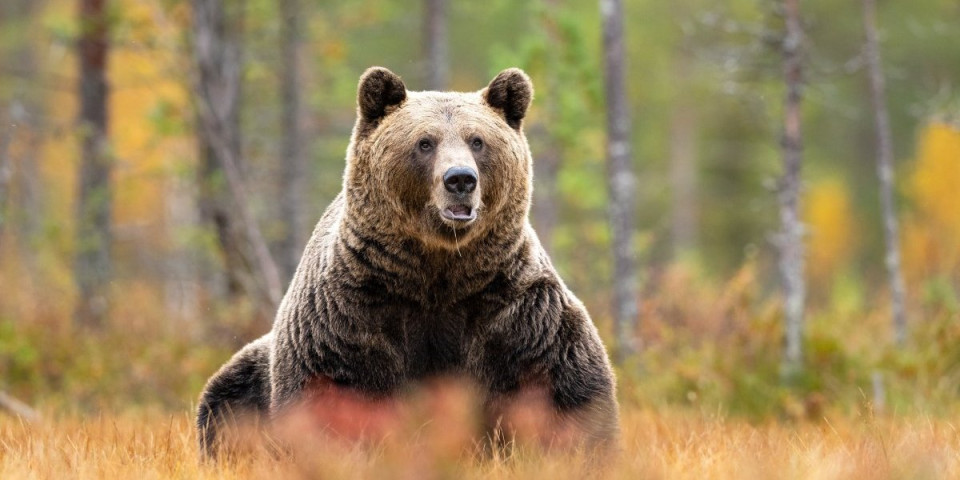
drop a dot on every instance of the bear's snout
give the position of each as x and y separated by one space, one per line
460 180
458 206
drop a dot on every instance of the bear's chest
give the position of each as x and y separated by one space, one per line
439 334
429 328
436 341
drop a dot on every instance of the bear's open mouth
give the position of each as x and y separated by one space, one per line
459 213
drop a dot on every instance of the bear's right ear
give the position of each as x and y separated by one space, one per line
510 92
379 90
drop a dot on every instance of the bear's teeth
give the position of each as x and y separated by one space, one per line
459 210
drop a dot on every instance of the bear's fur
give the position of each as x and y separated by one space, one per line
406 279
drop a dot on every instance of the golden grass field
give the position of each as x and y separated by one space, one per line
671 444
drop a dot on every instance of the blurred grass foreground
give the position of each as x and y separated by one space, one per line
658 445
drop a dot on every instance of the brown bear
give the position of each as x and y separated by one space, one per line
426 265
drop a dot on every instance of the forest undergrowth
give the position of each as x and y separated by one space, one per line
705 398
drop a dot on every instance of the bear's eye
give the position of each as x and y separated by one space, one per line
476 143
425 145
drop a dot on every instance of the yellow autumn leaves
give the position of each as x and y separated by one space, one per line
931 243
930 224
833 228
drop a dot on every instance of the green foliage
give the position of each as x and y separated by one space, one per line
72 370
722 354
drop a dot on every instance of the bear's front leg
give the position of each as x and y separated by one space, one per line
584 386
368 366
289 374
547 374
235 399
338 383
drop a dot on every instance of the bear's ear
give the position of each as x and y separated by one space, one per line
379 90
510 92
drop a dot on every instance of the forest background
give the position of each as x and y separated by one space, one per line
185 284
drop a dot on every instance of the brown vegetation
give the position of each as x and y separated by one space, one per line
658 444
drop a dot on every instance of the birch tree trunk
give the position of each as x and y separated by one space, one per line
683 175
293 168
92 267
891 228
435 43
790 240
620 177
684 132
29 200
6 173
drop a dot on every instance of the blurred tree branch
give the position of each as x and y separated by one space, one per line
17 408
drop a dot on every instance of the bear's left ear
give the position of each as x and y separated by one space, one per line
510 92
379 90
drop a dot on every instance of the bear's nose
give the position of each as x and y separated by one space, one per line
460 180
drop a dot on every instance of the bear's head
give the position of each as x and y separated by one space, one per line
446 168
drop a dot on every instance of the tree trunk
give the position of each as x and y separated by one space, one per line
6 172
92 269
790 240
181 272
24 137
620 177
546 166
435 43
891 228
6 134
248 262
683 147
291 245
683 175
29 200
218 90
18 176
545 199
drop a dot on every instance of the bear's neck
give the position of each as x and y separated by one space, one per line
382 253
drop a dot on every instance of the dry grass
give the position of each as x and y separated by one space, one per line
657 445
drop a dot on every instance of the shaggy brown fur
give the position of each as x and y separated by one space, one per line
392 290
